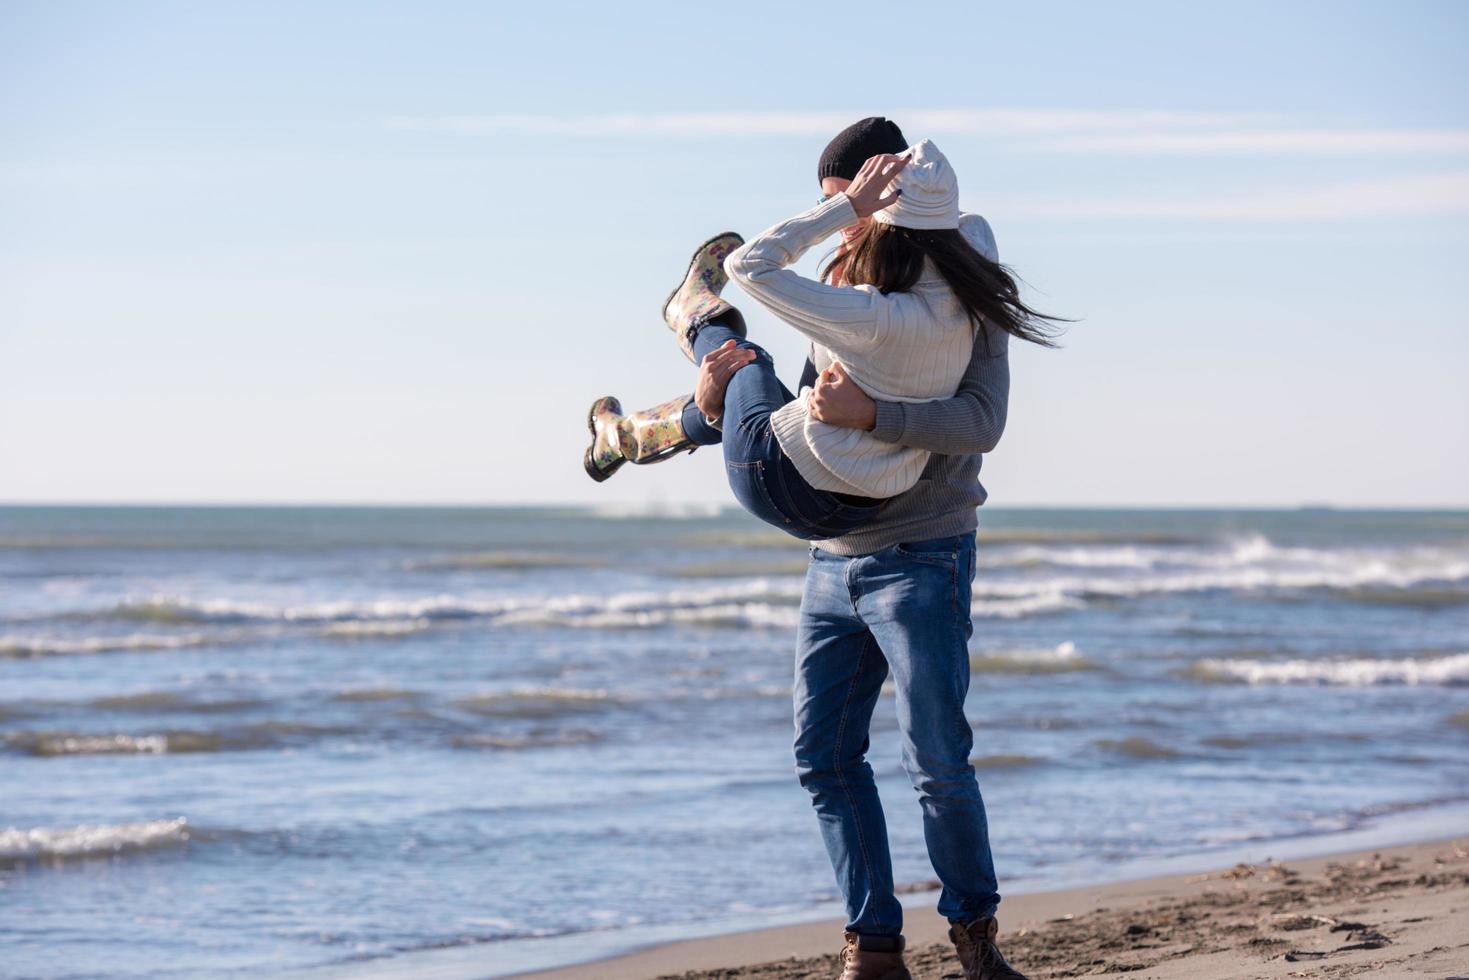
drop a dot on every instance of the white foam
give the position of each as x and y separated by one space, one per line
1449 670
1045 580
563 609
358 629
1333 570
103 744
40 843
1024 605
13 645
1079 556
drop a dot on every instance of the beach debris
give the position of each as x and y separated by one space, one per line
1364 944
1349 926
1293 921
1271 870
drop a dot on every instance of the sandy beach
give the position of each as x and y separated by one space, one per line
1387 912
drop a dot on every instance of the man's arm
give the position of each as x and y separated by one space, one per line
972 421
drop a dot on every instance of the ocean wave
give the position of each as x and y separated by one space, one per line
381 629
1137 747
1449 671
529 740
48 744
256 735
1038 535
57 844
1276 738
1422 598
1024 605
173 702
1287 570
735 569
500 560
1055 660
1006 761
1073 578
24 647
730 615
574 609
539 702
378 694
1076 557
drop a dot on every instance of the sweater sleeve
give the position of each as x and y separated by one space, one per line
972 421
841 318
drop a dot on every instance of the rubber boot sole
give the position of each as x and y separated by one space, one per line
592 471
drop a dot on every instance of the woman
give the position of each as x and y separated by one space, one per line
900 312
889 599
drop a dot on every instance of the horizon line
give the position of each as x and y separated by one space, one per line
704 505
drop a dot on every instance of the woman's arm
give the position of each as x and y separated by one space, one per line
838 317
841 318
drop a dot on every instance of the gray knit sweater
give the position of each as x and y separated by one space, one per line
957 430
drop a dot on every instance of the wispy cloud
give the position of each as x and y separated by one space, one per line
991 122
1403 197
1120 131
1281 141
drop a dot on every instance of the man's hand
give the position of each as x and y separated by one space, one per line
838 400
718 366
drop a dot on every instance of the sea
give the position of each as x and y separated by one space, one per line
363 741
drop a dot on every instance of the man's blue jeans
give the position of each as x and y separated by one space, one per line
905 609
762 476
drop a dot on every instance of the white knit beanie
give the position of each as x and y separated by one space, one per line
930 197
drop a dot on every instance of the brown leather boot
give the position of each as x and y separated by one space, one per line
978 953
881 960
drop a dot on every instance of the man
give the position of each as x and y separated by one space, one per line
895 595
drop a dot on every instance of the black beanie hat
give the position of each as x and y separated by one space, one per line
845 154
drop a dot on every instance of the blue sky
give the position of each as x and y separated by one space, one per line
390 252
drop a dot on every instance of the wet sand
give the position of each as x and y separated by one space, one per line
1387 912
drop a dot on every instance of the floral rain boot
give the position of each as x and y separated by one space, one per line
649 436
696 300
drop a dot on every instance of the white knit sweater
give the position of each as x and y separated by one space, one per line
903 347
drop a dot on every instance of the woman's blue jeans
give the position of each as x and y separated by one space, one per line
763 479
903 609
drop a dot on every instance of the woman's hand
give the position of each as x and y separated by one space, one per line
718 366
837 400
866 189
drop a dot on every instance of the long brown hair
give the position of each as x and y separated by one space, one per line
892 258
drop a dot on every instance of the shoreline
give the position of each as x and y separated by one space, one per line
1412 900
793 944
